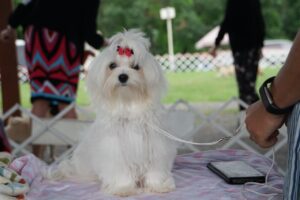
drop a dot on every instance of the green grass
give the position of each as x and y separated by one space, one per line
206 86
190 86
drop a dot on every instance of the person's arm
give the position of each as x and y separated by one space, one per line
285 89
223 28
90 28
222 31
260 23
18 17
21 14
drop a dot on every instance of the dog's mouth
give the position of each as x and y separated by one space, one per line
121 85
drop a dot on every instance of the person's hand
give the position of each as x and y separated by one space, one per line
263 126
261 54
6 34
213 52
86 54
106 42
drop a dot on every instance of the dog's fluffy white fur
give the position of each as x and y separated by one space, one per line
121 149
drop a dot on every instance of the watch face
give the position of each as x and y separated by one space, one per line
268 95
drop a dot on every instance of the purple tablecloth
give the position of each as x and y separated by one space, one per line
193 180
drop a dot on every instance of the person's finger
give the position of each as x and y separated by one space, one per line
252 138
268 142
4 37
256 139
264 142
275 134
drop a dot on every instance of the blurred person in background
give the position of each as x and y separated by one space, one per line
244 23
55 32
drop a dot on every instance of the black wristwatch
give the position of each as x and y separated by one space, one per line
268 102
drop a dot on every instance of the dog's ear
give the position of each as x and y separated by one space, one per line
154 76
94 76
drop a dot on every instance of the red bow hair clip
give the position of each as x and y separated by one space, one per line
124 51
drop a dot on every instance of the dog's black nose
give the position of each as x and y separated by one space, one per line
123 78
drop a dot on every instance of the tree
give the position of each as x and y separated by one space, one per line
189 25
291 16
194 18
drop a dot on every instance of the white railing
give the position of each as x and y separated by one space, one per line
193 62
205 62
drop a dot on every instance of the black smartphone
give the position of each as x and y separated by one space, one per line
236 172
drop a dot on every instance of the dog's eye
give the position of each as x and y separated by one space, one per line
112 66
136 67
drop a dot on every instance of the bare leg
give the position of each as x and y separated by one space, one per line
40 108
71 114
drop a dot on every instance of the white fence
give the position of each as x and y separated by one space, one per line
196 62
205 62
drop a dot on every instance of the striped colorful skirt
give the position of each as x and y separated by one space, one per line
53 65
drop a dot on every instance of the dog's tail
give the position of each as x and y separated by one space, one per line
64 170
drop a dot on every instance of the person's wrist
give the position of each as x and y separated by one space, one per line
268 91
270 118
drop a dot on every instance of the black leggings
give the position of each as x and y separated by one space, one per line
246 68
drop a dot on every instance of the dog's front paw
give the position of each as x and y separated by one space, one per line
120 190
52 174
159 183
122 185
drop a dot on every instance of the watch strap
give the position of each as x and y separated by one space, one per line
267 99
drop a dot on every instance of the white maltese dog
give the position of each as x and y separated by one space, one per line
122 149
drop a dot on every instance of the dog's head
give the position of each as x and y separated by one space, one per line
126 73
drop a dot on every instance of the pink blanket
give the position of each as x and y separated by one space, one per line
193 180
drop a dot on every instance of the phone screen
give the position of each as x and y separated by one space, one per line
236 172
